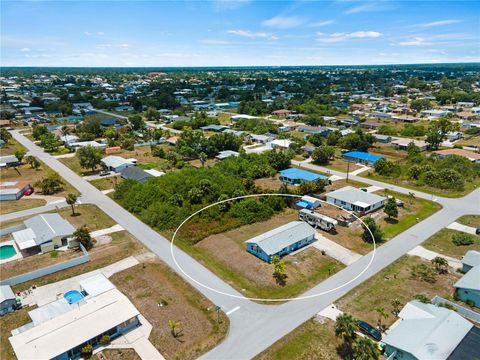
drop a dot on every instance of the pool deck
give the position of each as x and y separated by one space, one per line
18 254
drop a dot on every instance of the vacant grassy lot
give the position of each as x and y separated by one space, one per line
394 282
9 322
107 183
308 341
199 330
120 354
342 165
23 203
441 242
470 220
123 245
10 148
225 254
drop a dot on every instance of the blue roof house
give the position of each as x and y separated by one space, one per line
361 157
294 176
281 241
468 287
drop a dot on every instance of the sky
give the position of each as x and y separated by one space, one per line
237 33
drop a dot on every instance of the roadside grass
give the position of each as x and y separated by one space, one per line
308 341
121 354
106 183
342 165
470 220
469 185
441 242
24 203
394 282
8 322
123 245
199 330
225 254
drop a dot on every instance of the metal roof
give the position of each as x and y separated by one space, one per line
115 161
471 258
49 226
427 331
294 173
6 293
363 156
135 173
471 280
277 239
469 347
96 284
355 196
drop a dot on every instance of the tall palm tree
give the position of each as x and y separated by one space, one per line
365 349
65 130
382 314
71 199
345 327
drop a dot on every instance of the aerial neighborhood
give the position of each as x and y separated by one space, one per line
167 214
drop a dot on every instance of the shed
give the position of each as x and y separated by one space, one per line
8 160
281 241
308 202
13 190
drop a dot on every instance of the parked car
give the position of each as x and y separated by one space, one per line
477 231
369 330
28 192
104 173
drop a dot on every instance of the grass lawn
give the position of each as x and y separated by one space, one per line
107 182
123 245
394 282
407 215
9 322
11 147
21 204
199 330
308 341
342 165
252 276
469 185
441 242
121 354
470 220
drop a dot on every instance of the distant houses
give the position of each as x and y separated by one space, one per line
281 241
13 190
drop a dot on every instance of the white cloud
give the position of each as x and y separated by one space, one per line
370 6
417 41
215 42
438 23
252 34
342 36
283 22
321 23
25 49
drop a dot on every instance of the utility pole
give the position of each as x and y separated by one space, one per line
348 169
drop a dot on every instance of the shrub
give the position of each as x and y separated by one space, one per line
424 273
422 298
87 351
105 340
462 239
470 303
447 306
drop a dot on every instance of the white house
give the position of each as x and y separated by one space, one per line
283 144
354 199
117 163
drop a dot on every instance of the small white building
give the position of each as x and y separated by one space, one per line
283 144
117 163
353 199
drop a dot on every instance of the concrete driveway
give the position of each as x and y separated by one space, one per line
334 250
463 228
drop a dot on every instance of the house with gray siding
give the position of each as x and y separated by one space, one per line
470 259
281 241
8 301
468 287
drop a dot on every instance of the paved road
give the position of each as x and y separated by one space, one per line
254 327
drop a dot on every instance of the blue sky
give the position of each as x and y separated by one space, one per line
231 33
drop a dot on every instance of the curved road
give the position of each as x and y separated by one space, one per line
254 327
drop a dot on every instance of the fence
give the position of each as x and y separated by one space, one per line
469 314
48 269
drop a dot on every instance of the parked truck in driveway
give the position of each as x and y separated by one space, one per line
317 220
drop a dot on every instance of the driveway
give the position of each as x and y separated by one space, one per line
429 255
463 228
334 250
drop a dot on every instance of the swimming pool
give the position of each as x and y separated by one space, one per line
7 251
73 296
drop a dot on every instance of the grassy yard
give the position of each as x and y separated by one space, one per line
120 354
470 220
24 203
308 341
123 245
441 242
342 165
252 276
107 182
199 330
394 282
9 322
10 148
469 185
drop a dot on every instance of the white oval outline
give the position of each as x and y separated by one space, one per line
262 299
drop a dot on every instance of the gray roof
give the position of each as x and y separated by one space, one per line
135 173
427 331
226 153
8 159
471 280
277 239
471 258
115 161
356 196
6 293
49 226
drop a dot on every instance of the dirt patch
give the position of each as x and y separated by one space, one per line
199 330
272 183
103 240
119 354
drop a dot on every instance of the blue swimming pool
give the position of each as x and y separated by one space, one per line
7 251
73 296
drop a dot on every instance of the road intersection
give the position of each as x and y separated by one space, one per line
253 326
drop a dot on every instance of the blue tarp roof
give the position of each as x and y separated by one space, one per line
300 174
303 204
363 156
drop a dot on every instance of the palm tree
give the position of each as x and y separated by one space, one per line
396 306
346 327
365 349
382 314
173 325
71 199
65 130
441 264
203 158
